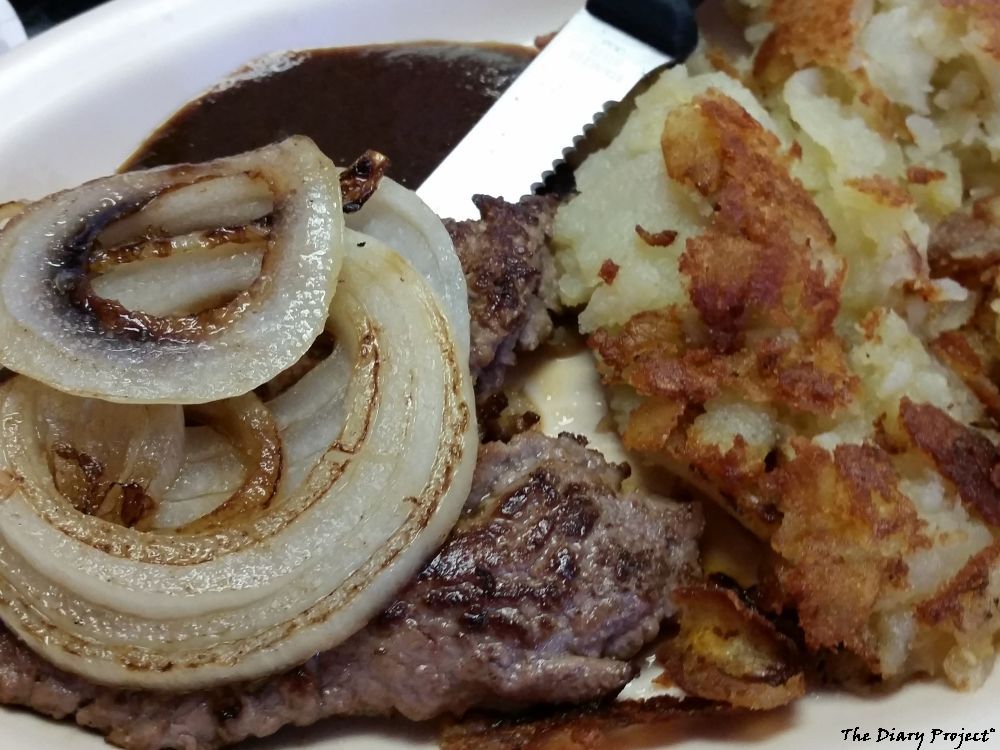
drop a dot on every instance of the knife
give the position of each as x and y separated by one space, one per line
594 61
11 30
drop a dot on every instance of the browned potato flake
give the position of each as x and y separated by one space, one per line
728 652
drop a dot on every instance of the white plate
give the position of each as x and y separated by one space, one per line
75 102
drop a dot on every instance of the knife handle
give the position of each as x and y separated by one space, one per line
668 25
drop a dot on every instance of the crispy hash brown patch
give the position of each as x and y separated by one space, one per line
985 19
764 393
882 189
964 592
963 455
818 351
760 261
972 356
766 305
845 531
757 272
807 34
965 246
726 651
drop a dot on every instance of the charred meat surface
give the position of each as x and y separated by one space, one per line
512 282
552 579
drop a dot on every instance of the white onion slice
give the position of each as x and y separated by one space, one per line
183 283
400 219
359 508
54 328
213 470
250 427
108 259
9 210
231 201
94 452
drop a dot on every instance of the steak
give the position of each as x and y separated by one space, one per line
552 580
512 282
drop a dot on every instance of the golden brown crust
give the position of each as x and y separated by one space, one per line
721 61
652 423
881 114
732 477
805 376
885 191
964 456
966 246
727 651
759 208
806 34
665 238
756 267
845 532
965 352
984 17
918 175
963 592
649 354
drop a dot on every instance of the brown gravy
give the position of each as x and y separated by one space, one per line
412 102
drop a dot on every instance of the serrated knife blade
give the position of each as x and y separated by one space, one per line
592 62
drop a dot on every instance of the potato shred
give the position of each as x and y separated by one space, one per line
814 348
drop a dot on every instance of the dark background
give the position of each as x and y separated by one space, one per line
38 15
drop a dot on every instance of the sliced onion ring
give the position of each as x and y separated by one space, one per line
186 282
231 200
400 219
360 180
378 444
9 210
212 472
97 454
250 426
56 329
109 258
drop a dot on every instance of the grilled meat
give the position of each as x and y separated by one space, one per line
511 278
552 579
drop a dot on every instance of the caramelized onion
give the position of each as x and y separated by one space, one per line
106 259
359 181
184 283
400 219
377 445
9 210
96 455
213 470
249 426
57 328
196 204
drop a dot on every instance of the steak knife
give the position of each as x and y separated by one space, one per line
11 30
593 62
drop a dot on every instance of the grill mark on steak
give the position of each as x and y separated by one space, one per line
552 579
512 282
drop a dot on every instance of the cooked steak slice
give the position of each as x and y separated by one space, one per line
512 282
552 579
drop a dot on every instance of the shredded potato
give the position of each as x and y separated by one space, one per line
813 348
